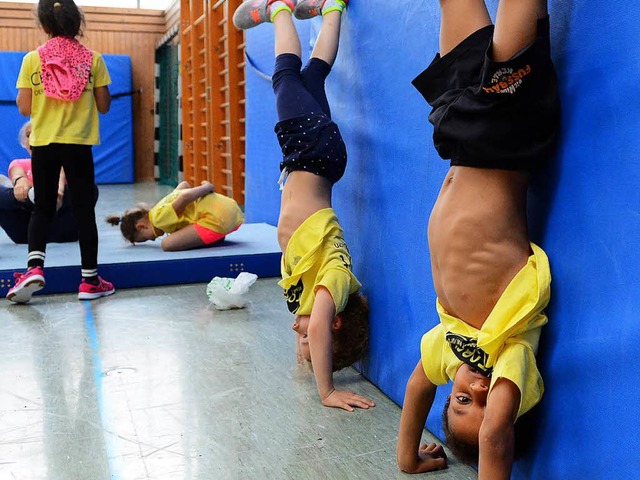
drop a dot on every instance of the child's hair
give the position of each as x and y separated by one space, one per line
22 134
351 340
129 220
464 451
60 18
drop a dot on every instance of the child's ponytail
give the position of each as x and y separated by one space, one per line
114 220
128 221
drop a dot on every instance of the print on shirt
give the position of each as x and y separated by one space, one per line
293 294
467 350
339 243
507 79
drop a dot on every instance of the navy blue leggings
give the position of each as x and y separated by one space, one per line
300 92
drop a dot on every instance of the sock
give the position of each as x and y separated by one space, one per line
90 275
35 259
333 6
276 7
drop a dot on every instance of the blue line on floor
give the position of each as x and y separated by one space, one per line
92 336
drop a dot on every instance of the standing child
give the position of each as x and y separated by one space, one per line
193 217
331 321
63 86
496 116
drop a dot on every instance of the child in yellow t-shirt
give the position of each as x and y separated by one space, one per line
62 85
495 110
331 320
193 217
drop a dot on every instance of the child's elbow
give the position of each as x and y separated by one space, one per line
498 437
406 463
104 105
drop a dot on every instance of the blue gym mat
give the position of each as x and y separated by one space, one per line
252 248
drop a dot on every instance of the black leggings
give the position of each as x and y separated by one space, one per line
77 161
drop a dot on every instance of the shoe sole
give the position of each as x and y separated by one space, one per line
93 296
26 292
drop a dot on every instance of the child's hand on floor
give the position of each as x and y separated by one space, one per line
346 400
432 457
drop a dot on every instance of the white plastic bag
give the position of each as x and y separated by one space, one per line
227 293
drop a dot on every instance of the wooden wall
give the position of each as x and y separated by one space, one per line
133 32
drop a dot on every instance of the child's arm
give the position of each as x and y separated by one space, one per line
189 195
23 100
183 185
496 432
321 349
21 184
103 98
413 457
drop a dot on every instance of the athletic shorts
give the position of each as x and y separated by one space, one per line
314 144
490 114
209 236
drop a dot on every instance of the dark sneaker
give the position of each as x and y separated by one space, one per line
26 285
87 291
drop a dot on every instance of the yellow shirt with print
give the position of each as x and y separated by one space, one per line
506 344
317 255
216 212
59 121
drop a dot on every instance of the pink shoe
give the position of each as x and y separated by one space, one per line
26 285
312 8
86 291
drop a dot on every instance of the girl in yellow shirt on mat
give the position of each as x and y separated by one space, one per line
193 217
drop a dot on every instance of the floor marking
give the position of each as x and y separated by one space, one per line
113 460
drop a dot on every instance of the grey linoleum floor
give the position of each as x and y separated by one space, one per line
154 383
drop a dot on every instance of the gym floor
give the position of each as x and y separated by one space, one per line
154 383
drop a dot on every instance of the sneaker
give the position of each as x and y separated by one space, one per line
26 285
86 291
254 12
312 8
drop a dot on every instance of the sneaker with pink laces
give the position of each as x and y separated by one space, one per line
26 285
87 291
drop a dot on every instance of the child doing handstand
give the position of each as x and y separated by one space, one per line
331 321
193 217
496 114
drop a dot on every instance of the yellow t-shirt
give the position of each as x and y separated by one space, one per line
59 121
317 255
506 344
213 211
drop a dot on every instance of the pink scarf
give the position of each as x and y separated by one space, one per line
66 68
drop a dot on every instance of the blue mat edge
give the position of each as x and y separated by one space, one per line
150 274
